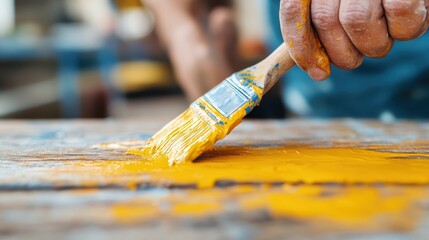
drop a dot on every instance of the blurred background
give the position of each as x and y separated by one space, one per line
97 59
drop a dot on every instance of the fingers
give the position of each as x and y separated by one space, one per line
341 51
407 19
304 46
348 30
366 26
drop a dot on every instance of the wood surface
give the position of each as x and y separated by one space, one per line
41 199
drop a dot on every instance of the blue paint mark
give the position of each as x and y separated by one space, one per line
201 106
249 109
256 99
221 123
210 114
214 117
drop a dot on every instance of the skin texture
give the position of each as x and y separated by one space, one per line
348 30
200 39
304 46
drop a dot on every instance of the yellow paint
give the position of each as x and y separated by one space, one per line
287 164
353 206
195 209
299 26
372 187
132 213
195 131
307 50
202 125
358 207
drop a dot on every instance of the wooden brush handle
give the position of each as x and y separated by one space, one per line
274 67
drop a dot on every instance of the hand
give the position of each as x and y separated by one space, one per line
344 31
202 55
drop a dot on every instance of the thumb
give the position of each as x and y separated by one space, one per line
301 39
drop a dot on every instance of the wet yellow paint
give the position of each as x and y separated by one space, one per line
288 164
352 206
129 213
198 129
344 185
196 208
367 207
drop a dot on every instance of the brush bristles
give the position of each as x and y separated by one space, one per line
207 120
184 138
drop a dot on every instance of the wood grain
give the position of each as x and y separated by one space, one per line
37 204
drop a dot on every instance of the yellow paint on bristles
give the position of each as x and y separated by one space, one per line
197 129
186 137
214 115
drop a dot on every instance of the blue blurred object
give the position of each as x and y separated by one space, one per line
390 88
68 43
23 48
69 48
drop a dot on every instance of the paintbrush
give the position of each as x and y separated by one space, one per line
214 115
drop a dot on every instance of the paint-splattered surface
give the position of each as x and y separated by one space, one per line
268 180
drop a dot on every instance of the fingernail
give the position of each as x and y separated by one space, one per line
317 73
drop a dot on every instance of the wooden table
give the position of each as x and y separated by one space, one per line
66 180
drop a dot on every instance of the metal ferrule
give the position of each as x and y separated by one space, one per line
231 95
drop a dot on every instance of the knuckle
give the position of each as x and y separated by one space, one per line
398 8
406 19
356 17
290 9
324 17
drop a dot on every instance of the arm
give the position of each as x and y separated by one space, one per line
200 61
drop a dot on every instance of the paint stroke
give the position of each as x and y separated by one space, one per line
353 207
356 187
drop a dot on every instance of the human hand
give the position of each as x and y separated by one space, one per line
200 42
344 31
